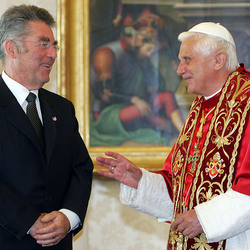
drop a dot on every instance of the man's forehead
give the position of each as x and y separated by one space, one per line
187 52
39 27
185 48
41 31
188 44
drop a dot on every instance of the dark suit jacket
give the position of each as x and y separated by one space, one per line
31 181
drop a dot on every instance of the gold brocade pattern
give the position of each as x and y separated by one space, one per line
213 167
207 190
201 243
184 137
178 163
226 120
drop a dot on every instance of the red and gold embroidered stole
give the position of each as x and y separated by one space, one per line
212 166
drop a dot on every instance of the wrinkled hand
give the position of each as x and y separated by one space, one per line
51 229
143 106
120 168
188 224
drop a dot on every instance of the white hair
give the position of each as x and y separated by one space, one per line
207 44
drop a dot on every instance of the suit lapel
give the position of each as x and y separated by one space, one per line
16 115
18 118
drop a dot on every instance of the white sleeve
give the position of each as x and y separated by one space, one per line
151 196
224 216
73 218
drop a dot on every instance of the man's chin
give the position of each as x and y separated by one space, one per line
192 91
45 79
189 90
41 83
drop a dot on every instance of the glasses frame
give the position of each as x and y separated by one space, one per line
44 46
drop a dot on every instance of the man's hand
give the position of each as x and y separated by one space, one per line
37 224
120 168
51 229
188 224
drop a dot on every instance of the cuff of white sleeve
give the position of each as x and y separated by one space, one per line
224 216
73 218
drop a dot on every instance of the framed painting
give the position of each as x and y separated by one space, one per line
134 104
123 58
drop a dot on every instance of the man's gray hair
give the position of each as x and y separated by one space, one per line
14 23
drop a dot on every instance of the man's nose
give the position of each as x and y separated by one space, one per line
52 52
180 69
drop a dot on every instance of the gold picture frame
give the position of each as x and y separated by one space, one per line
73 33
74 73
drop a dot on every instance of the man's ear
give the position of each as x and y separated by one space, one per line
11 49
220 60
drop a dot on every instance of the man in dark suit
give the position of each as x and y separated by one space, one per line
45 175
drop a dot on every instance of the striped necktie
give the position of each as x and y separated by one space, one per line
32 114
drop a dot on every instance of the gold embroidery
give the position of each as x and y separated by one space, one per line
185 135
240 87
176 198
224 132
226 93
232 107
207 190
176 238
195 158
236 145
201 243
178 163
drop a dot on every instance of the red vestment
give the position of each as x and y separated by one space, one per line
198 169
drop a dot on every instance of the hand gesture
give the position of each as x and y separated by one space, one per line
120 168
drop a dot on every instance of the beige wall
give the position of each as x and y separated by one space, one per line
109 225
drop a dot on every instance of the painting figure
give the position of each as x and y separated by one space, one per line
130 97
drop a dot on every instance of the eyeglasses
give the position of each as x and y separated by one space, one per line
43 45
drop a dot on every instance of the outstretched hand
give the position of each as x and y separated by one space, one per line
120 168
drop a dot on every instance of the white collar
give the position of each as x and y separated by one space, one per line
17 89
208 97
